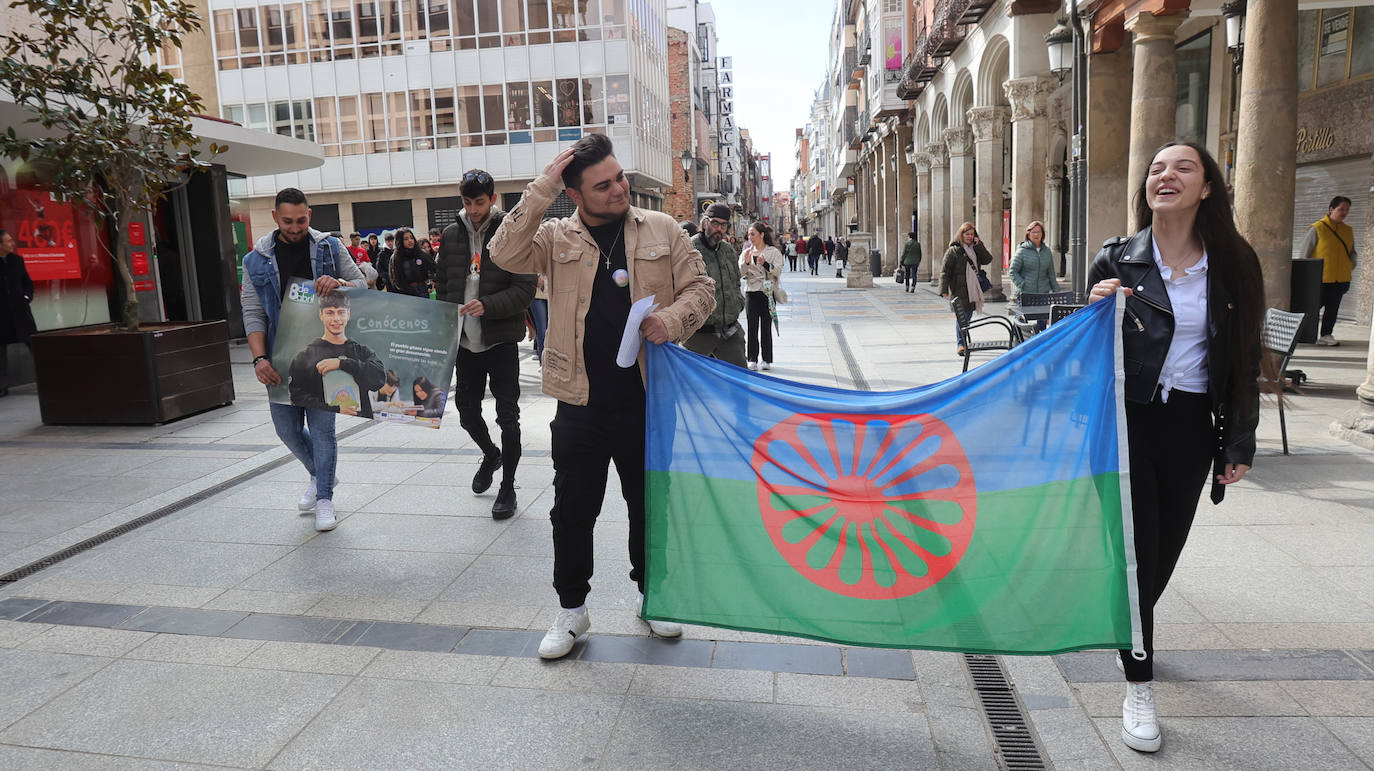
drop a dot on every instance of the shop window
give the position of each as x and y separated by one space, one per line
1194 59
350 129
326 125
1362 42
1333 47
537 20
593 102
569 103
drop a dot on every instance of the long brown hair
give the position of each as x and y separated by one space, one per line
959 234
1233 263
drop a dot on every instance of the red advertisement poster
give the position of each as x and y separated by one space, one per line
46 236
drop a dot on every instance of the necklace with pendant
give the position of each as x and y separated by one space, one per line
604 255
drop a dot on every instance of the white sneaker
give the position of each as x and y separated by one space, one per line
1328 340
661 628
765 366
307 501
568 627
753 365
1139 722
324 515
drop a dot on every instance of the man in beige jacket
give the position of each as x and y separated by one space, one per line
596 263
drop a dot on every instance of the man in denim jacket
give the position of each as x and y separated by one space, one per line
291 250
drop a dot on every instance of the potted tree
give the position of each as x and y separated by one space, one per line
109 128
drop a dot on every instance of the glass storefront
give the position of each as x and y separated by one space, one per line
63 249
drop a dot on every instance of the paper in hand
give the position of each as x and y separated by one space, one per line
629 342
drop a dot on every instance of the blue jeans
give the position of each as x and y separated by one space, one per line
316 447
539 313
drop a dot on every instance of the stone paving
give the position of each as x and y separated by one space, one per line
230 633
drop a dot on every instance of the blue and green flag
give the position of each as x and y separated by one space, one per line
986 513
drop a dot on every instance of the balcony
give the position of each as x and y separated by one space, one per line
849 62
865 52
946 28
974 10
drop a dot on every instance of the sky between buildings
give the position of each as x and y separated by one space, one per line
780 49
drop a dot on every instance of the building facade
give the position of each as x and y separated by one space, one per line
404 96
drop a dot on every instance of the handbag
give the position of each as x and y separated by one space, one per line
779 294
899 274
984 282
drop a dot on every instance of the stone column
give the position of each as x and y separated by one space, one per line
905 196
1054 204
1029 146
1266 139
1109 108
940 231
1357 425
960 144
989 125
924 211
1154 75
882 157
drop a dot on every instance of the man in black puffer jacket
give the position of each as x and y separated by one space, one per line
493 308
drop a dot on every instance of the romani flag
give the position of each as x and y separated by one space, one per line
987 513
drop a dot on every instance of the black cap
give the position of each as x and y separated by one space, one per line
719 211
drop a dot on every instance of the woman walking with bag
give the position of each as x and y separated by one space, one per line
760 264
1191 347
961 274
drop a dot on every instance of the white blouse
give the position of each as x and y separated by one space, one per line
1185 366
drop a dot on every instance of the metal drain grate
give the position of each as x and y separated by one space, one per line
153 516
860 382
1016 746
1017 749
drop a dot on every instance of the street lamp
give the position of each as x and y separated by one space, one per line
687 160
1234 13
1068 52
1060 43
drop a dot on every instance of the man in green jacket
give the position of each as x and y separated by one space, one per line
721 337
911 260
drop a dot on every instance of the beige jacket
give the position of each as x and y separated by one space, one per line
755 275
661 262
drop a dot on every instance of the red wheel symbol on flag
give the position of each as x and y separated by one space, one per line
867 506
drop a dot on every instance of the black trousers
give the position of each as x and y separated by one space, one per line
500 364
760 326
791 262
813 261
1331 303
1171 459
585 442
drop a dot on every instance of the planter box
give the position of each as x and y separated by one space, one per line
103 374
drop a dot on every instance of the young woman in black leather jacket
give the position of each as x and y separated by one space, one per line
1191 344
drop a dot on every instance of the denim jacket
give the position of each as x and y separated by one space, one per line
260 294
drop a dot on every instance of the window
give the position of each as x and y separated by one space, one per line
1333 48
341 27
350 132
494 114
421 118
374 122
465 22
226 40
233 112
326 125
317 21
445 117
399 114
488 24
589 19
1362 42
439 30
593 102
257 117
1194 59
513 22
389 21
538 19
569 103
470 115
518 112
564 22
248 36
613 17
292 34
618 99
368 31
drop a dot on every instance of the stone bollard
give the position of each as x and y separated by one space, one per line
860 274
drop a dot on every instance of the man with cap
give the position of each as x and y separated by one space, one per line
721 337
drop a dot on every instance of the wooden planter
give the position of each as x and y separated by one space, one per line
103 374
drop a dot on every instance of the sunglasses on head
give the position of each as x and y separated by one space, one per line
481 176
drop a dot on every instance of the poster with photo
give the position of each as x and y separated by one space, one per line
375 355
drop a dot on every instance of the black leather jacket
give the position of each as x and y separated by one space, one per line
1148 329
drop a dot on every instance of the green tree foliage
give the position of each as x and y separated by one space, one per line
108 126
